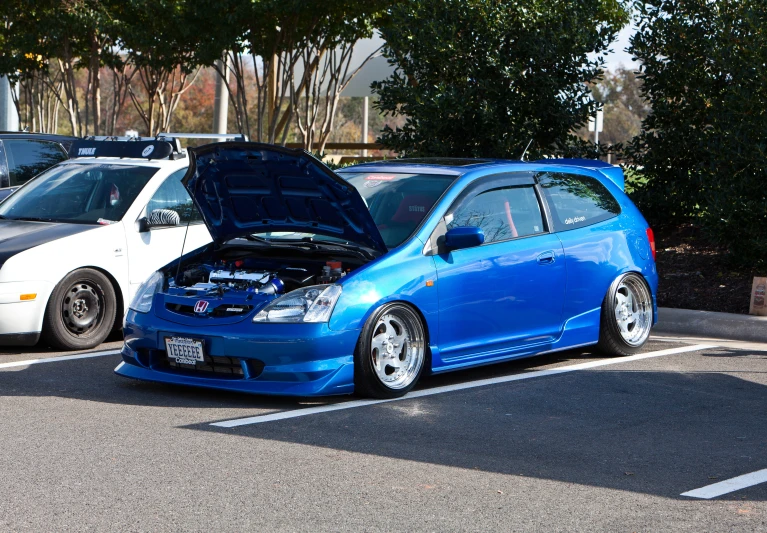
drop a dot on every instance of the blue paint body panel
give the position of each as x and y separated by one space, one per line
494 302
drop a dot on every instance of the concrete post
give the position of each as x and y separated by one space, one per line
9 117
221 100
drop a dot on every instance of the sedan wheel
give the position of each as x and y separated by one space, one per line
627 315
81 311
391 352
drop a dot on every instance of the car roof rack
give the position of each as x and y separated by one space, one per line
164 146
240 137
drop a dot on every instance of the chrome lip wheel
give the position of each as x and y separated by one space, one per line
397 348
81 309
633 311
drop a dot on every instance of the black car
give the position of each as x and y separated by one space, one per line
24 155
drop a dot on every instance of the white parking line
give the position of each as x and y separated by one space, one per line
458 386
57 359
728 485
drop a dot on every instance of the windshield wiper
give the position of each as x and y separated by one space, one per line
33 219
308 242
258 239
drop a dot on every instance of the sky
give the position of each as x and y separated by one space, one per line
620 57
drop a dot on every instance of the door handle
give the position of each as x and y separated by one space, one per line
546 258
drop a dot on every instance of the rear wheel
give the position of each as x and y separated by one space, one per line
627 314
391 352
81 311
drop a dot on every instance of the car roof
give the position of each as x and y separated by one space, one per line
36 135
132 161
463 166
453 166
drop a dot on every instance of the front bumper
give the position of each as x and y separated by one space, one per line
21 321
279 359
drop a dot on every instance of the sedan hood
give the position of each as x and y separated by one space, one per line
246 188
17 236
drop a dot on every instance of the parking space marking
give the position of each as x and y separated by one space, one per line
56 359
456 387
728 485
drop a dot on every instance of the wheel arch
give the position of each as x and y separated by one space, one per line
120 297
421 317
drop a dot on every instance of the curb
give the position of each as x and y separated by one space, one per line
712 325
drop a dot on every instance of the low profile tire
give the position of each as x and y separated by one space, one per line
80 312
391 352
627 315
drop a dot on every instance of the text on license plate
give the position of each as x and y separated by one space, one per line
184 351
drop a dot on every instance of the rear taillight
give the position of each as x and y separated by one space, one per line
651 239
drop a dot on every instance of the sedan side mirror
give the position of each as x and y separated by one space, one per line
464 237
159 218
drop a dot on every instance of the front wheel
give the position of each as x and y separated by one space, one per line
81 311
390 353
627 314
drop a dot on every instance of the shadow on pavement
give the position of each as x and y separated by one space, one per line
660 433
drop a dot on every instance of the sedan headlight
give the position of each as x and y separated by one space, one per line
310 304
142 301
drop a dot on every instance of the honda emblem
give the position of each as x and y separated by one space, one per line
201 306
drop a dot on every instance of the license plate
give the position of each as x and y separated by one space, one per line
184 351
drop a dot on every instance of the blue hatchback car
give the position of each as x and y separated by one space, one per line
321 283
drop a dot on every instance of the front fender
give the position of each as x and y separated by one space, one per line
399 276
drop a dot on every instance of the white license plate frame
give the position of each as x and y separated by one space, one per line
185 350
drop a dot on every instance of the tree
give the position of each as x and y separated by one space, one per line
297 55
620 93
160 39
46 44
703 148
481 78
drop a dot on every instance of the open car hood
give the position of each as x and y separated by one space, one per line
243 188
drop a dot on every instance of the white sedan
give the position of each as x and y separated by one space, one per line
78 240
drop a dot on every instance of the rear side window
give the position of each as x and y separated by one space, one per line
503 213
173 195
577 201
28 158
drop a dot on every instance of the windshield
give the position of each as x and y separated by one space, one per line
397 202
83 193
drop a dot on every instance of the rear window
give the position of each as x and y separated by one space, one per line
27 158
398 202
577 201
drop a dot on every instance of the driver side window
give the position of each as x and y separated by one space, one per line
503 213
173 196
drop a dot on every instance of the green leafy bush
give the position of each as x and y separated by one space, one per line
703 148
481 78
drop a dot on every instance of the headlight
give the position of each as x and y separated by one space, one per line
310 304
142 301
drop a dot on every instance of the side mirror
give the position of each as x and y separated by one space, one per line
464 237
159 218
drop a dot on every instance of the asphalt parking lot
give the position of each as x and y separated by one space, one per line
562 442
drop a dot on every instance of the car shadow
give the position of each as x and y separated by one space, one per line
652 432
93 379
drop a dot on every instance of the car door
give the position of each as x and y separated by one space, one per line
152 249
509 292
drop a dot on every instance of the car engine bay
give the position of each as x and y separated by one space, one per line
249 275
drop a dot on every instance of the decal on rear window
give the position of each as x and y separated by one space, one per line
577 201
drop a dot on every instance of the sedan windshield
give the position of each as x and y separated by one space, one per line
80 193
